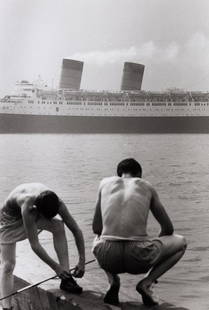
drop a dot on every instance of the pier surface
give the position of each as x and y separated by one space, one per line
51 298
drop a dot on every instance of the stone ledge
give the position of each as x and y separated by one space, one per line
54 299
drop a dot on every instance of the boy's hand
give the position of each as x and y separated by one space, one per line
79 270
62 273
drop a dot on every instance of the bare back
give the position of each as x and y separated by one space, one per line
125 204
23 192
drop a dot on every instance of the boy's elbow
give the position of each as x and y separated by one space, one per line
35 247
97 232
96 229
170 231
167 230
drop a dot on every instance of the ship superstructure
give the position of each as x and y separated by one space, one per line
131 109
30 99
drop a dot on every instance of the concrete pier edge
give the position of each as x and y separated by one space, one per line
53 298
37 298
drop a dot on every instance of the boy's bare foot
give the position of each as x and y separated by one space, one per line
111 296
148 297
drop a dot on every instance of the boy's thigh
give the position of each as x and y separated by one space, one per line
171 244
140 256
109 255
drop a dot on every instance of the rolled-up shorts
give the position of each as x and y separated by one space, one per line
122 256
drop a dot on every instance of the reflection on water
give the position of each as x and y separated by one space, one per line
72 165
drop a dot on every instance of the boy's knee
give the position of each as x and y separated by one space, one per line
182 242
8 267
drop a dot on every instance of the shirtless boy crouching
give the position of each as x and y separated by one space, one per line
28 209
122 244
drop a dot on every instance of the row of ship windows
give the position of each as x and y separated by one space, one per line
170 109
154 104
80 103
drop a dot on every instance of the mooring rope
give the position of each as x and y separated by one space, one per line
38 283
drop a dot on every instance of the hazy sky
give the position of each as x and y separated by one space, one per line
170 37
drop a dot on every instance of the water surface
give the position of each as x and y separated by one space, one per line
72 165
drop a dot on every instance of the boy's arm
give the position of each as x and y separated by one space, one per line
161 215
78 235
32 234
97 225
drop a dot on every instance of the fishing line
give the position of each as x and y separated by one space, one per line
38 283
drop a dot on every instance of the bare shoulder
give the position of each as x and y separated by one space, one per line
25 193
28 187
108 180
32 187
142 182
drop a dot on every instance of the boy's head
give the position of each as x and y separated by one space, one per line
47 204
129 166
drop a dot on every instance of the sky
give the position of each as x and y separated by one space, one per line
170 37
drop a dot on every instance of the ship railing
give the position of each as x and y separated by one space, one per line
200 97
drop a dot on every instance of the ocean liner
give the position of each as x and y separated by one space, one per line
68 109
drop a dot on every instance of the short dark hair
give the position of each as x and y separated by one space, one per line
129 165
47 204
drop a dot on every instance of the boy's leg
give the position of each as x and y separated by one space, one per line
8 253
56 227
173 248
111 296
106 254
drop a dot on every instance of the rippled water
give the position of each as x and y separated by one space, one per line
72 165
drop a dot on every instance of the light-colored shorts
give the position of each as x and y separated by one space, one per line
122 256
12 229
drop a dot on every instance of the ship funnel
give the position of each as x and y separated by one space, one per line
71 74
132 76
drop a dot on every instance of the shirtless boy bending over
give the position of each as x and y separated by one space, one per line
28 209
122 244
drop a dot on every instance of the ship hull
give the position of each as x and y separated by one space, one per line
18 123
